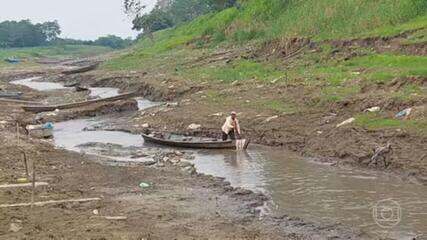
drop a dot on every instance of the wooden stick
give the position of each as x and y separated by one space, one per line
17 133
33 185
24 185
25 164
40 204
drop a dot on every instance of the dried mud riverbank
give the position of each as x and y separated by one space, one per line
312 133
178 204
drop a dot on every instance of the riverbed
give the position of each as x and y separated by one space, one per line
378 203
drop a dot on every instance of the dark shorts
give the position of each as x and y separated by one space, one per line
230 134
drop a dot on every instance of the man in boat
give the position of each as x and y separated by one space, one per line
231 127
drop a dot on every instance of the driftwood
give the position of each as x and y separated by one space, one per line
24 185
41 204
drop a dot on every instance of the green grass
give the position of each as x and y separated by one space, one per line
236 71
53 52
419 37
375 121
393 30
383 68
276 105
265 20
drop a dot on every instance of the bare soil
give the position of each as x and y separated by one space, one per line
177 205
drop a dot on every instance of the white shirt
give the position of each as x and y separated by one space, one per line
229 126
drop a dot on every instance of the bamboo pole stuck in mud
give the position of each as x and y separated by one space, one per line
17 134
33 185
27 174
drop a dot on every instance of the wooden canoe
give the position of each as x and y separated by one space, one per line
81 89
81 69
21 102
14 95
219 144
38 109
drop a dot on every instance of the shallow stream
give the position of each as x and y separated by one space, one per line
380 204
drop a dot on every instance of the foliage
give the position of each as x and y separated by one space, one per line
382 67
113 41
376 121
265 20
171 13
26 34
51 30
29 54
237 71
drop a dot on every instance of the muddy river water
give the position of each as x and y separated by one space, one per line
379 204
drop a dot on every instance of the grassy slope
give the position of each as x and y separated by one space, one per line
52 52
262 21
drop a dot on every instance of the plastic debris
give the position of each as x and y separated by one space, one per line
144 185
348 121
48 125
194 126
115 217
15 227
404 113
373 109
22 180
271 118
172 104
219 114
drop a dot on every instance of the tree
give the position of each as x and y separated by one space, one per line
113 42
51 30
26 34
169 13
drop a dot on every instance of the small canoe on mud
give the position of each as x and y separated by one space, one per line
81 69
38 109
13 95
208 144
81 89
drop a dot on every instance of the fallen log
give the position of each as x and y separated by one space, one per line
38 109
41 204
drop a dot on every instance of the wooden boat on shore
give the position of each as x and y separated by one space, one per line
12 60
20 102
13 95
208 144
38 109
81 69
81 89
71 84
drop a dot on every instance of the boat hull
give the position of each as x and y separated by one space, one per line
38 109
197 145
81 69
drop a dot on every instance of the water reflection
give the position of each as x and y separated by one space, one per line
297 186
103 92
319 192
40 86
